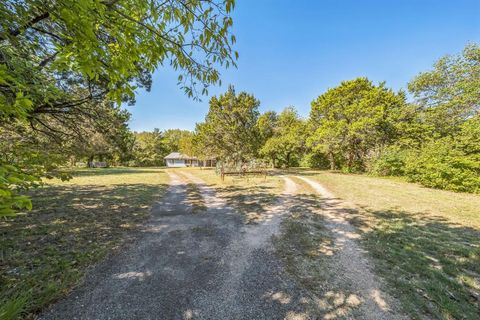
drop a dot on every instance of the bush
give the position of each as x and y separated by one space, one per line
391 162
442 164
317 160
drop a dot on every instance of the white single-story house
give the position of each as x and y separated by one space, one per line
176 159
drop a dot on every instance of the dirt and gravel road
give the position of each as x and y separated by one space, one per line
186 265
210 264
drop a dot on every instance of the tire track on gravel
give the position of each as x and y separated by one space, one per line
255 285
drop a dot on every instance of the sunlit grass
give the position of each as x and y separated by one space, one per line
113 176
74 224
305 243
250 195
392 194
195 199
424 242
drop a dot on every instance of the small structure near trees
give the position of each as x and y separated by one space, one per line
99 164
177 159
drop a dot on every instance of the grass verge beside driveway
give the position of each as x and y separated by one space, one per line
250 195
424 242
74 224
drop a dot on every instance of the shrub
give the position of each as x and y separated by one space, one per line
391 162
317 160
442 164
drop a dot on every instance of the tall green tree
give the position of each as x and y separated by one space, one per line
150 148
287 142
353 120
187 145
449 94
105 137
437 145
230 129
173 138
448 100
266 124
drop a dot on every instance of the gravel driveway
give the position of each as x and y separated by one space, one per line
187 265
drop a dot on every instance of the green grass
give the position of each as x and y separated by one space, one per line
250 195
393 194
74 224
424 242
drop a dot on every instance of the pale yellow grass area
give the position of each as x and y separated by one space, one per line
114 176
390 194
251 195
271 182
425 243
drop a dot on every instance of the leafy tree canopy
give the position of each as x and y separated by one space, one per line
55 54
149 148
450 93
174 137
230 129
439 147
266 124
64 63
352 119
287 140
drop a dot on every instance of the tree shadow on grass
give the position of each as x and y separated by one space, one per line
430 264
252 202
307 247
44 253
194 198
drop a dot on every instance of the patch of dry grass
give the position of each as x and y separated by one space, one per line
424 242
305 244
250 195
308 250
74 224
195 198
393 194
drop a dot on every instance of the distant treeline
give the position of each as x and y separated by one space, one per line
360 126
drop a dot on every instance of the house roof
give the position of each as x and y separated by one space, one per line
178 155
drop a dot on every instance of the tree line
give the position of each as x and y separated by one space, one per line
363 127
356 127
67 66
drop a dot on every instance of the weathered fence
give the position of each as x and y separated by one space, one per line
241 169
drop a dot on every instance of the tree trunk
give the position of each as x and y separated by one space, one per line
351 156
90 162
73 160
331 159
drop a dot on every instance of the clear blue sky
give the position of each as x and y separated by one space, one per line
292 51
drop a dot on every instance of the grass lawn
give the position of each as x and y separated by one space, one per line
424 242
250 195
45 253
